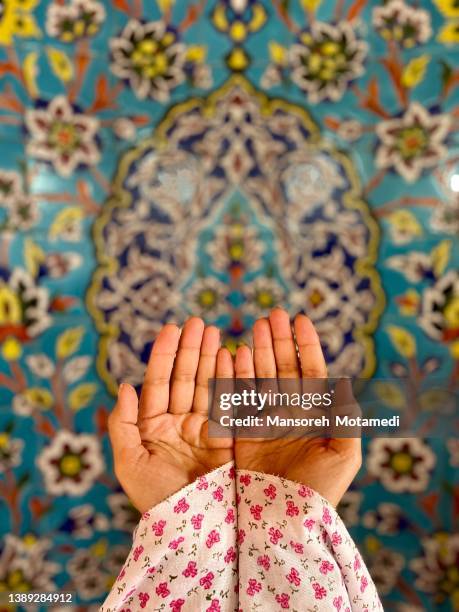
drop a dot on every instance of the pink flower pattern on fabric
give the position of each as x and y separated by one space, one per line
300 555
235 541
184 553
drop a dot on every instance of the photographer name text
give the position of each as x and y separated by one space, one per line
322 421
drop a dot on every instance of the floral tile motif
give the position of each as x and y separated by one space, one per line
219 157
187 204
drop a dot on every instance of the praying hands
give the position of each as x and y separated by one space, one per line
233 523
161 441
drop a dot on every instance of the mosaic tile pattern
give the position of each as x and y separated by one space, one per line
216 158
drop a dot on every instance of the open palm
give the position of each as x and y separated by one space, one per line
327 465
161 443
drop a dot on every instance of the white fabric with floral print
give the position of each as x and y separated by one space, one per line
240 540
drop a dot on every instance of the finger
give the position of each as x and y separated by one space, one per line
243 366
224 370
312 361
310 352
244 369
122 425
225 367
263 350
263 356
185 367
284 345
206 368
284 350
154 398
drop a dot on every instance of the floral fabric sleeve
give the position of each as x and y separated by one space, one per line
295 552
183 556
262 543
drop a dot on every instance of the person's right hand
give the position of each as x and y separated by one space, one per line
162 444
327 465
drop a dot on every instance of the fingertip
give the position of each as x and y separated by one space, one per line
225 367
121 387
126 387
262 337
261 326
279 321
211 335
278 313
243 365
169 332
127 398
224 353
195 322
304 329
170 327
261 323
243 352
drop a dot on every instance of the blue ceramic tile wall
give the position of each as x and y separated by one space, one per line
237 154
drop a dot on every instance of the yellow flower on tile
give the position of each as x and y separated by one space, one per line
311 5
258 18
238 31
39 397
10 306
196 53
4 440
402 340
454 349
16 20
11 349
440 256
409 302
64 220
449 8
60 64
68 342
219 18
238 59
404 224
165 5
99 549
278 53
415 71
391 394
30 71
81 395
372 544
29 539
449 34
451 313
33 256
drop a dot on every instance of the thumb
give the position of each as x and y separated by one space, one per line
122 422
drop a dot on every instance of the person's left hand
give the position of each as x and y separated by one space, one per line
162 444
